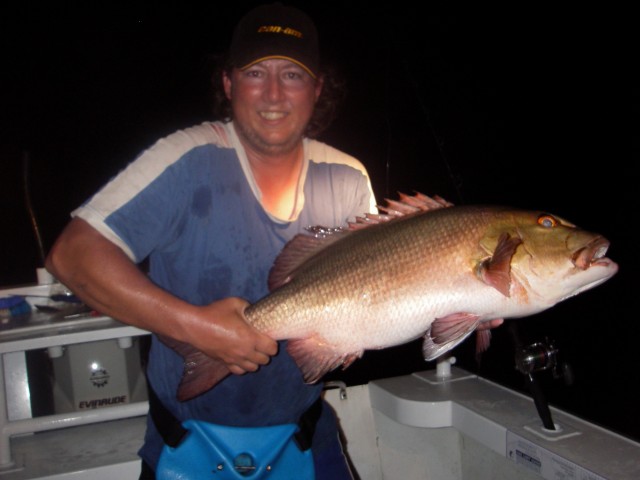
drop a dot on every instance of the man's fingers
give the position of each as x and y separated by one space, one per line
252 363
491 324
261 358
247 366
267 346
236 370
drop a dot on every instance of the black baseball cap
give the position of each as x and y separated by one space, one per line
276 31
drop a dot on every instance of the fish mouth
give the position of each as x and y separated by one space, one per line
592 254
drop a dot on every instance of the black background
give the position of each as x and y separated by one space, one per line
525 110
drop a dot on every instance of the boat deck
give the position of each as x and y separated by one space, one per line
100 451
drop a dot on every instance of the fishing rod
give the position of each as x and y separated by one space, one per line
26 159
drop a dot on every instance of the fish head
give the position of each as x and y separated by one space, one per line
555 259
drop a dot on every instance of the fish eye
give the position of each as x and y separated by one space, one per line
547 221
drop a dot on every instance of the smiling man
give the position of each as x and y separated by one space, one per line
210 207
272 102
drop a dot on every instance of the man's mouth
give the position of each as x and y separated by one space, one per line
272 115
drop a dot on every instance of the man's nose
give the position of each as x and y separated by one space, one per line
274 88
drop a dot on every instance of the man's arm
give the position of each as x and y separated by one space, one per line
103 277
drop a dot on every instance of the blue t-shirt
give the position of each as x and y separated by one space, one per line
190 204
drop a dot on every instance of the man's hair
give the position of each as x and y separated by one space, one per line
325 111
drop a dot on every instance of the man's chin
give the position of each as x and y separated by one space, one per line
270 145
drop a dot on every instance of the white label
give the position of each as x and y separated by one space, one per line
543 462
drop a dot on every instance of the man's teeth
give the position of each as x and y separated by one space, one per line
272 115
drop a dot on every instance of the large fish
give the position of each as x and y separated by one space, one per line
416 270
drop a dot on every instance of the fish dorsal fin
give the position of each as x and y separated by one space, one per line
303 246
298 250
496 270
406 205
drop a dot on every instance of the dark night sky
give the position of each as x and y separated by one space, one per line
518 110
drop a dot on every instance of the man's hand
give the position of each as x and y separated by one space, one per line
101 274
228 337
490 324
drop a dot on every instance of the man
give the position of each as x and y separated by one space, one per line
211 207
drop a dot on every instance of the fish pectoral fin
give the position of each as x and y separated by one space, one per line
496 270
315 357
447 332
201 372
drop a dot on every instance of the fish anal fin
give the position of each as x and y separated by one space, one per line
496 270
483 340
315 358
483 336
201 372
447 332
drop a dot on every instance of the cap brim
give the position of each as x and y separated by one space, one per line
279 57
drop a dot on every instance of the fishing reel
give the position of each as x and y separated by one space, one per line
535 358
541 356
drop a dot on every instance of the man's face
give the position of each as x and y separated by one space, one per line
272 103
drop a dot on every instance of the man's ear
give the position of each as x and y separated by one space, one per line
226 83
319 85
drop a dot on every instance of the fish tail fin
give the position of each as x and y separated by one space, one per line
201 372
200 376
315 358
